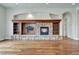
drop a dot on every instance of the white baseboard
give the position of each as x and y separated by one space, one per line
76 38
73 38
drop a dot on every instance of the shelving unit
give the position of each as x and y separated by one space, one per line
15 28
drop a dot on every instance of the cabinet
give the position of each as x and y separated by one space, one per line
56 28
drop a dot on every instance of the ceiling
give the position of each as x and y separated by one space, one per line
17 5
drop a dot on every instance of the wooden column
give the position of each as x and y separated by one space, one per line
20 28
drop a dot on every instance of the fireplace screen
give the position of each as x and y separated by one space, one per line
44 30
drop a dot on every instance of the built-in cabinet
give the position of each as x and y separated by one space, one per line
16 28
56 28
28 27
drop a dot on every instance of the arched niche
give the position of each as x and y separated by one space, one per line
36 15
55 16
22 16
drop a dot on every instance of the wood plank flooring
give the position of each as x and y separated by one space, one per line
39 47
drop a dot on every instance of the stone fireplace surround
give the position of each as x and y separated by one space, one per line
49 25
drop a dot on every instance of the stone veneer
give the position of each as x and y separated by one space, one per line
49 25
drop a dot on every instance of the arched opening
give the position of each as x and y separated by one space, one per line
67 24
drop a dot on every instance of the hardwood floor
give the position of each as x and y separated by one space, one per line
39 47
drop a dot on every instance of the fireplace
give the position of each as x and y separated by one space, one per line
44 30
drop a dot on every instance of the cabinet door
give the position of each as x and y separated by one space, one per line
55 28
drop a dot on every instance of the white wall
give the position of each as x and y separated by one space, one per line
2 22
43 13
67 18
78 24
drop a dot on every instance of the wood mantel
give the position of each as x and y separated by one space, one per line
38 20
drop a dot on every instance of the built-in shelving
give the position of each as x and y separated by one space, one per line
15 28
20 26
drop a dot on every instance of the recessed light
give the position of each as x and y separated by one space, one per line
30 15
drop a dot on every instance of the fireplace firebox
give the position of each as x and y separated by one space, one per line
44 30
